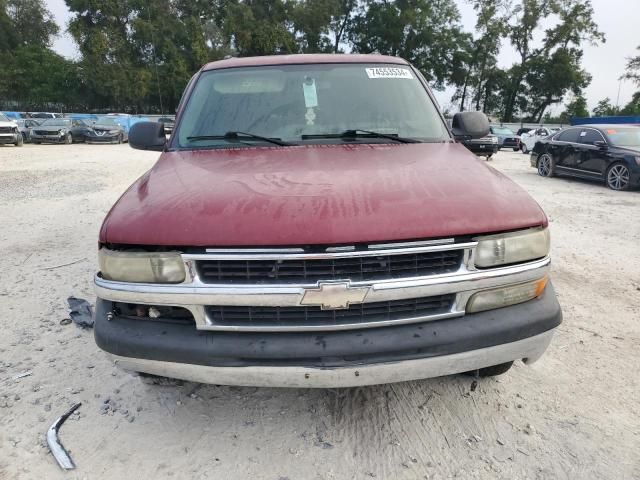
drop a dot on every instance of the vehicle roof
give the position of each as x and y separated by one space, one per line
302 59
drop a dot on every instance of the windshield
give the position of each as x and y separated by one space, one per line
287 102
56 122
624 137
107 121
502 130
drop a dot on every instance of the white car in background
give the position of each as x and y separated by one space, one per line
9 132
529 139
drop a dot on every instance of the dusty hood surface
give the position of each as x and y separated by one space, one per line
317 195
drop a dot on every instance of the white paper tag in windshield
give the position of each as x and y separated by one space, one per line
388 72
310 93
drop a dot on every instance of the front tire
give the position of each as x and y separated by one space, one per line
119 139
618 177
546 165
524 149
68 139
19 140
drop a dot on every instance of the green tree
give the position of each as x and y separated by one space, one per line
574 25
633 107
577 107
548 79
8 40
480 60
425 32
56 85
632 71
32 23
604 108
30 73
322 25
257 27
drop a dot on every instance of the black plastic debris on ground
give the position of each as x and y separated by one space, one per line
80 312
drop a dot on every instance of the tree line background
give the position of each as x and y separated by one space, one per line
137 55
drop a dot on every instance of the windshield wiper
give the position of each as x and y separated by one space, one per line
240 136
358 132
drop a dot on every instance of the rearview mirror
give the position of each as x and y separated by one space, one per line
468 125
147 136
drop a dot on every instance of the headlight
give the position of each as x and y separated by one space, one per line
505 296
494 139
141 267
113 132
514 247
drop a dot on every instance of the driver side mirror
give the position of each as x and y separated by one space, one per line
601 144
468 125
147 136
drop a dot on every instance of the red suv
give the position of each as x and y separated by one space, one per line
313 222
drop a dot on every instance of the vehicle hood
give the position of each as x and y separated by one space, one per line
329 194
8 124
51 128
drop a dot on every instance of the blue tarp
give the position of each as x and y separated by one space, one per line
633 119
82 116
14 115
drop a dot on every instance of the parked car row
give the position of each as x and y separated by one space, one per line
18 128
37 115
69 130
607 153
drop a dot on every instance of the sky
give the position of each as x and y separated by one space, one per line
618 19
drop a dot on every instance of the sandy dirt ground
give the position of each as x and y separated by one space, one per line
574 414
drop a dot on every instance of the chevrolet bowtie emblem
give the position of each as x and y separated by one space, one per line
334 295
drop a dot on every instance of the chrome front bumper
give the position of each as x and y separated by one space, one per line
8 138
529 349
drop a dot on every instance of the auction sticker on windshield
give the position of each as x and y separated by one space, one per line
388 72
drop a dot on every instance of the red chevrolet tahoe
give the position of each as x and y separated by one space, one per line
314 222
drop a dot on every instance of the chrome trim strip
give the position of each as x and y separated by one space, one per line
346 248
323 328
529 349
420 243
255 250
322 255
579 171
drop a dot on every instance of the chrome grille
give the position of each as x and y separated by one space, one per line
354 268
298 317
6 129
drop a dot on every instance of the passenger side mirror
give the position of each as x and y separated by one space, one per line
601 144
147 136
468 125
